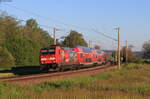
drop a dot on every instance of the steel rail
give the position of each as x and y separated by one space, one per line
48 76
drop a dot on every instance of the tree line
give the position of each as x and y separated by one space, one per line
20 44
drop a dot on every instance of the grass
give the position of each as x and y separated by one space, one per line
131 82
3 75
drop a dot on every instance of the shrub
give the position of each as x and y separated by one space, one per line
6 58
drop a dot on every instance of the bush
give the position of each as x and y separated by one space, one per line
26 52
6 59
146 48
21 43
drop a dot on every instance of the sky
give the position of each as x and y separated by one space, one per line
85 16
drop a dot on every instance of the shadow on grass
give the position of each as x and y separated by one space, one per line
146 61
23 70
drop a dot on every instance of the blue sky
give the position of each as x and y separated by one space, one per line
132 16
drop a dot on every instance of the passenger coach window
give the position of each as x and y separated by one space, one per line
81 55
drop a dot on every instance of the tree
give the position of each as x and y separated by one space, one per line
21 49
97 47
8 26
6 59
31 23
74 39
20 44
146 48
131 56
34 33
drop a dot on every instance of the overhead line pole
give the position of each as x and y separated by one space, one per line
54 35
90 45
126 51
118 30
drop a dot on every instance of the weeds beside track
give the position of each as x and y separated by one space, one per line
39 78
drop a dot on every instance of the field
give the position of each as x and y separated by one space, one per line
131 82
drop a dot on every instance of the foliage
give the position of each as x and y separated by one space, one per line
97 47
20 44
31 23
146 48
22 50
131 56
6 58
74 39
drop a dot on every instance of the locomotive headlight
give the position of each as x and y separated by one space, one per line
42 62
43 59
52 58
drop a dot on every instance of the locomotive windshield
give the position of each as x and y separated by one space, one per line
46 51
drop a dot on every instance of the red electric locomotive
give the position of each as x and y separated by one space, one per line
51 56
57 58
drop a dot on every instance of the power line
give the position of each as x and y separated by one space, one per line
104 35
43 17
46 26
47 18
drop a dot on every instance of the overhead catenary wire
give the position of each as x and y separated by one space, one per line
46 26
104 35
62 23
44 17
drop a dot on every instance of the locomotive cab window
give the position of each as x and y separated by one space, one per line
48 51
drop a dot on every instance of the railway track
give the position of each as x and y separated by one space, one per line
46 77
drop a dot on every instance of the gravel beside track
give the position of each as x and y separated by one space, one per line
47 77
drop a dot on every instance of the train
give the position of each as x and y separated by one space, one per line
58 58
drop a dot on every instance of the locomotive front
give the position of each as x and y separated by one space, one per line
49 57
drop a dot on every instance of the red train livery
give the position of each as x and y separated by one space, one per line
59 58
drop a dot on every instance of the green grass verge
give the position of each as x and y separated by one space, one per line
131 82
